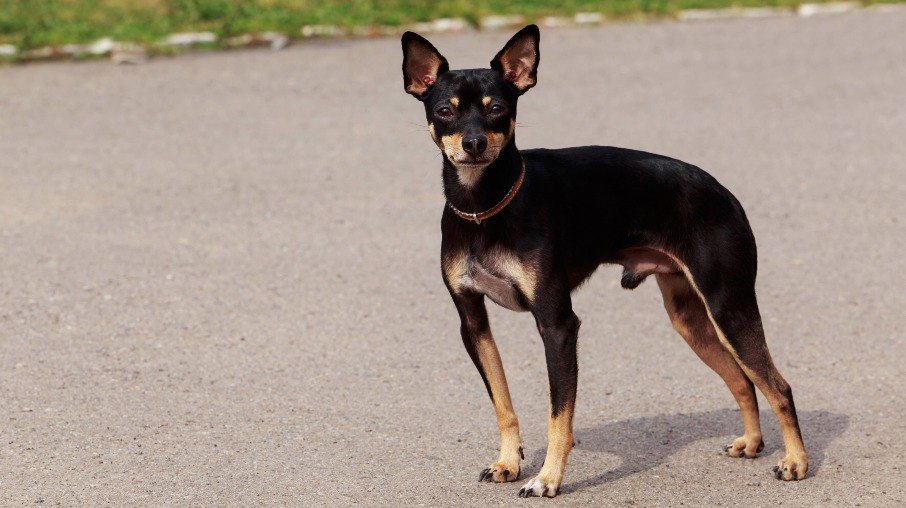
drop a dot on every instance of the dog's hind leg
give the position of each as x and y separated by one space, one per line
690 318
733 310
477 338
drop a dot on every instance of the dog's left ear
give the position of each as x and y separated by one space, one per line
422 63
518 60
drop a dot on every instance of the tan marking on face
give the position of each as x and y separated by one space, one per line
507 423
486 101
469 176
433 133
454 101
452 145
496 139
455 266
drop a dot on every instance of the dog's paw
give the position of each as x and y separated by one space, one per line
540 486
499 472
745 446
791 467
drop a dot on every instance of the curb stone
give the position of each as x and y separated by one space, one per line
555 22
102 46
501 22
732 13
309 31
588 18
275 40
45 53
441 26
806 10
128 53
188 39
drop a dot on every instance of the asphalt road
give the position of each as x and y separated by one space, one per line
220 281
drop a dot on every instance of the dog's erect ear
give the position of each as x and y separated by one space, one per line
422 63
518 60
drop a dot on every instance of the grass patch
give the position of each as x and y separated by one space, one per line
30 24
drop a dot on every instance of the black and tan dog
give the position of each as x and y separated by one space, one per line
525 228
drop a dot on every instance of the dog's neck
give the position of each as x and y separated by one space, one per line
490 187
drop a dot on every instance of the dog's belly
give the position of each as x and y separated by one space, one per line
502 291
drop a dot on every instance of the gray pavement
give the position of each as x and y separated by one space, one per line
220 282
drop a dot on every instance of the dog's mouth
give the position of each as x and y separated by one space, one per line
473 163
470 162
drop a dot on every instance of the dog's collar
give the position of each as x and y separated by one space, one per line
478 217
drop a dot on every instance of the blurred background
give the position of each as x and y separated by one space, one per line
31 24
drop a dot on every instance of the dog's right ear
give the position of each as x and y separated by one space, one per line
518 60
422 64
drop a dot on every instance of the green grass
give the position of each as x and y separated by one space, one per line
34 23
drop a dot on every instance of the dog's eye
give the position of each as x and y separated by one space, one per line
497 108
444 112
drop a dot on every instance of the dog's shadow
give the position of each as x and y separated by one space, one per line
644 443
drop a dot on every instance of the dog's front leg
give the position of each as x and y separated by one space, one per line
559 329
476 336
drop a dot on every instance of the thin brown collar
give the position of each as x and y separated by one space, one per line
477 217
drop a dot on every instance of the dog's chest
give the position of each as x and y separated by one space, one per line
498 277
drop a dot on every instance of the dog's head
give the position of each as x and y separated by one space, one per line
471 113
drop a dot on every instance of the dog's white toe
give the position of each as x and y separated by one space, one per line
538 487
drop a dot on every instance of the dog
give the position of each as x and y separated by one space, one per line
527 227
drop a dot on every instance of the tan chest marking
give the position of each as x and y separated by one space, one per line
498 274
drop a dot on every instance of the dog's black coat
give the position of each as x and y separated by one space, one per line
576 209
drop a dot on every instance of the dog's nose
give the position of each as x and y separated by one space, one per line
475 145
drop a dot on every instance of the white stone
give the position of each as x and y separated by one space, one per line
190 38
806 10
321 31
276 40
444 25
589 18
102 46
555 21
733 12
8 50
764 12
499 22
441 25
72 50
